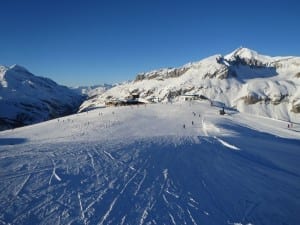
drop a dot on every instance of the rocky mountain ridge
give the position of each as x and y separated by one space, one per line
243 79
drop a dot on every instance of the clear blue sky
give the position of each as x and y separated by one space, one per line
84 42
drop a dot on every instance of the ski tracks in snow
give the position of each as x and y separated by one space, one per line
20 188
54 174
208 128
226 144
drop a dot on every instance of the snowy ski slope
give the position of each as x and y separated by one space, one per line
177 163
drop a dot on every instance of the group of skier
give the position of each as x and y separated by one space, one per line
194 114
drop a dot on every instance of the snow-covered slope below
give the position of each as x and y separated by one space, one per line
177 163
243 79
27 99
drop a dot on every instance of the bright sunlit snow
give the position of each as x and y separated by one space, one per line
177 163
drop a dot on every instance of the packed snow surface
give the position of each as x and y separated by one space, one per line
177 163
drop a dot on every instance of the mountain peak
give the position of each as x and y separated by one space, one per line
17 67
247 54
243 53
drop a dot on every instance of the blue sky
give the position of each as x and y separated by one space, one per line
87 42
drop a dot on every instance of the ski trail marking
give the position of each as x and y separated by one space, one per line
168 185
22 185
165 173
81 209
115 199
165 199
146 211
93 165
92 159
163 186
191 205
54 174
206 213
109 155
172 219
108 211
144 216
132 168
226 144
172 194
141 182
123 220
194 201
97 199
191 217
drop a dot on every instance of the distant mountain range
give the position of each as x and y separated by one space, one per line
244 80
27 99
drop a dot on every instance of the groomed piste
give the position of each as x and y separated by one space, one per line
181 163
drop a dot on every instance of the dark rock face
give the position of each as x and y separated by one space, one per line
140 77
222 73
162 74
176 72
250 62
251 98
296 108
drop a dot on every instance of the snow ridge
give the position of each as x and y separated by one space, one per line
244 80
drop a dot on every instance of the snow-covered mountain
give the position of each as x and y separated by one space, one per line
178 163
243 79
93 90
92 94
26 98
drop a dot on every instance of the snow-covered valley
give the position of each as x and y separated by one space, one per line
179 163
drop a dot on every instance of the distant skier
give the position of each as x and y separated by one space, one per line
183 125
192 122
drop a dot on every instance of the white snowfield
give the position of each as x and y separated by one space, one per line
245 80
179 163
